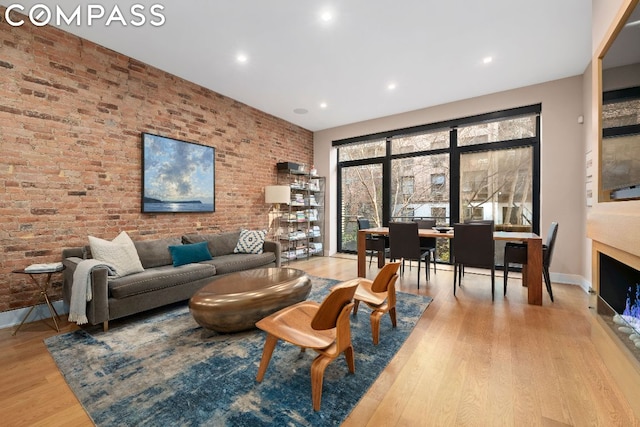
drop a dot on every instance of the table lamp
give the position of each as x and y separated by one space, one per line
277 194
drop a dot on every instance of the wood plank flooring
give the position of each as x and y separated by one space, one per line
469 362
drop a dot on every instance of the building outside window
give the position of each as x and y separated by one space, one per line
437 184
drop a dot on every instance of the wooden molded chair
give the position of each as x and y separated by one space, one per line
380 295
473 246
404 244
373 244
516 253
323 327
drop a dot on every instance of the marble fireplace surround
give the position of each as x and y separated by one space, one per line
615 231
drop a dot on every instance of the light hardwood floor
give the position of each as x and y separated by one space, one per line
468 362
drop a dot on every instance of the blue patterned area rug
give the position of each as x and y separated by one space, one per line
163 369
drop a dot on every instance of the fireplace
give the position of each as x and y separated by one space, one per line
616 268
618 303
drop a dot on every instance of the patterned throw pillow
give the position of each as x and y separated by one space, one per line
120 253
250 242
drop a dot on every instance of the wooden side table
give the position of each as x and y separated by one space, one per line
42 285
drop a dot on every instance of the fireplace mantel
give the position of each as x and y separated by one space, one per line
616 225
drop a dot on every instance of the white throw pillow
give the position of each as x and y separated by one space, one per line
120 253
250 242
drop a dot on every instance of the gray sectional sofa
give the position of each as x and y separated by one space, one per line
161 283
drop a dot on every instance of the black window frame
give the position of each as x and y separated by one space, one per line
454 152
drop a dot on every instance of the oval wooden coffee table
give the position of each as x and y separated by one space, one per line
236 301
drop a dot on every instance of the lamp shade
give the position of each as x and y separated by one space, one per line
277 194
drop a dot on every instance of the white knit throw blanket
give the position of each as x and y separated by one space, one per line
81 289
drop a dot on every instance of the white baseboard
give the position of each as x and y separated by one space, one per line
12 318
571 279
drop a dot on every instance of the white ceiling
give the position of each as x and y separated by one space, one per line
432 50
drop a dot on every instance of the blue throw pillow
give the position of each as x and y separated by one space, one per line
186 254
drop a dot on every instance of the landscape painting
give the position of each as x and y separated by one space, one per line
177 176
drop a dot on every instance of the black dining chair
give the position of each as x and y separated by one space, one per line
374 245
428 243
516 253
473 246
477 221
404 244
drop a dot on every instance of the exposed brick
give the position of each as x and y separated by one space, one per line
36 80
110 82
107 106
65 88
71 165
119 68
11 110
61 67
11 248
38 115
43 40
40 211
36 253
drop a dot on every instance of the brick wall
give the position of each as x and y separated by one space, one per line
71 117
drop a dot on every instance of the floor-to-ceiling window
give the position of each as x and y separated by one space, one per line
360 188
481 167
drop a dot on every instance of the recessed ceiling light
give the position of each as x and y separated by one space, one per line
323 105
487 60
242 58
392 86
301 111
326 16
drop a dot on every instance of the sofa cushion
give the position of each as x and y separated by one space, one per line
154 253
219 244
191 252
237 262
120 253
250 242
156 278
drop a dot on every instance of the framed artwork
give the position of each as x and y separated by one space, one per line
177 176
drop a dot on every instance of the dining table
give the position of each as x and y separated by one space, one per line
531 271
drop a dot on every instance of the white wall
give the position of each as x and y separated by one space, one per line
562 160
